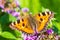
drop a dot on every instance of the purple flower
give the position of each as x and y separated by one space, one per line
25 10
17 3
50 31
1 6
16 14
12 12
9 11
2 2
29 37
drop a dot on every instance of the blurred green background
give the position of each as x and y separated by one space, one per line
35 6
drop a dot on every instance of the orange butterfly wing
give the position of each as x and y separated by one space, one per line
23 25
42 19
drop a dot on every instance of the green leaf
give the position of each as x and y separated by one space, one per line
33 5
18 33
56 24
8 35
12 18
5 19
19 39
53 5
0 29
36 6
59 32
57 16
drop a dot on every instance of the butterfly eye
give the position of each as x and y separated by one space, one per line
43 13
18 21
41 19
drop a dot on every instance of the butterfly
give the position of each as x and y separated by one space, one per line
30 24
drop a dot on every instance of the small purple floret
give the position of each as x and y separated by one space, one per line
16 14
50 31
2 6
25 10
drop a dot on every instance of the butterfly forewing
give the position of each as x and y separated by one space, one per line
42 19
23 25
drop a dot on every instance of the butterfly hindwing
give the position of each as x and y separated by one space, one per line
23 25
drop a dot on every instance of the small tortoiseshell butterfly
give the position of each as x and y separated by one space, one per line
29 24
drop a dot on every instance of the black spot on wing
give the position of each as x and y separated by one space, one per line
18 21
43 13
41 19
48 13
22 20
39 15
23 24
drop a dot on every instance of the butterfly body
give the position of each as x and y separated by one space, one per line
30 24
